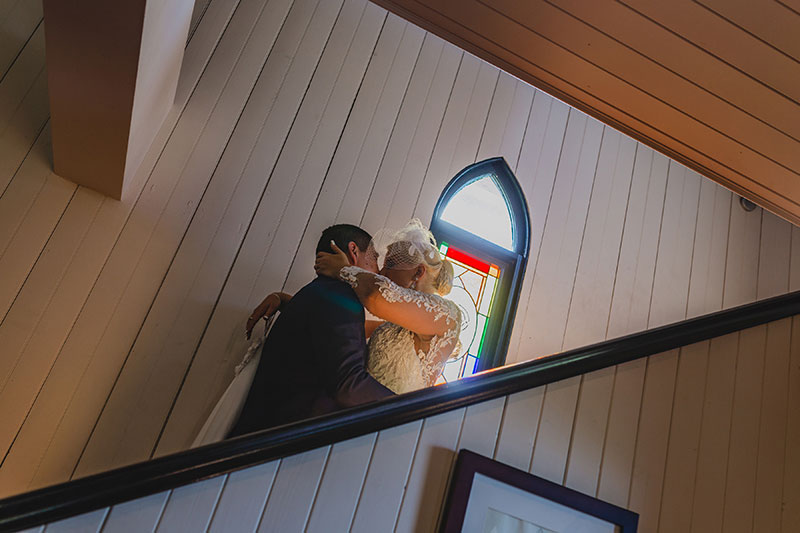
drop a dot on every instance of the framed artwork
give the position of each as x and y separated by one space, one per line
486 496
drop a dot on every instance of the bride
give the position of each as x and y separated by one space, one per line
407 348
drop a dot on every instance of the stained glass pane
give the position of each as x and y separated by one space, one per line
491 283
474 287
481 197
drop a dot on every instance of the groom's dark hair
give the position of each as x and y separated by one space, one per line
342 234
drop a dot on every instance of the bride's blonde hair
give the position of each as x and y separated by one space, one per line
410 247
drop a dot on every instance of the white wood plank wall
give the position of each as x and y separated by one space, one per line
705 442
121 322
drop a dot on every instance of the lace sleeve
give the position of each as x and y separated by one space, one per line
424 314
442 348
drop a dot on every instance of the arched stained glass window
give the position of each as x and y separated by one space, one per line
481 222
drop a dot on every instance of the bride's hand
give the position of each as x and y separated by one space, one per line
330 264
265 309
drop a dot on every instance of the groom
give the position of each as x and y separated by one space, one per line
313 359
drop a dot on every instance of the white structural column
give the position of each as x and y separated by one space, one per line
112 73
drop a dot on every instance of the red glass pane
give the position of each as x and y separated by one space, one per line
467 259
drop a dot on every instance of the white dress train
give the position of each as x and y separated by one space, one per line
226 412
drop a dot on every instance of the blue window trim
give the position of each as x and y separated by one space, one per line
512 263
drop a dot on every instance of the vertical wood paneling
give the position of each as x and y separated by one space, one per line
385 482
741 271
78 349
775 413
141 249
589 431
190 507
19 20
505 129
306 115
774 256
551 448
633 286
621 431
414 167
675 244
309 147
700 479
745 421
668 304
591 302
709 251
712 453
31 234
424 492
140 385
335 501
518 428
684 436
388 180
180 311
794 260
481 425
790 501
138 515
199 10
85 523
26 67
280 93
449 129
553 283
545 319
649 458
74 278
699 482
292 491
23 105
676 76
243 498
460 136
536 172
364 140
599 253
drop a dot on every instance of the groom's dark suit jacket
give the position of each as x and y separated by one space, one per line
313 361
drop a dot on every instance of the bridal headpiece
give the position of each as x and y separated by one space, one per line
411 246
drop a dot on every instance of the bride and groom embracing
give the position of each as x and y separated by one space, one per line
316 358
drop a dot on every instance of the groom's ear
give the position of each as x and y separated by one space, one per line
352 252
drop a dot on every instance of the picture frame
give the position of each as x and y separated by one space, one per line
486 496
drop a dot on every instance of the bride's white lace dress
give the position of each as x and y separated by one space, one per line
227 409
398 358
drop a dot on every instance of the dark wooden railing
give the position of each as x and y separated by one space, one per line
138 480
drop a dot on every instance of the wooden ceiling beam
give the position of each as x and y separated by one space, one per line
112 70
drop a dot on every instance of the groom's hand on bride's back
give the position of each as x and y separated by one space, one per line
268 307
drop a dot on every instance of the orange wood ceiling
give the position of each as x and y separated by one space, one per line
714 84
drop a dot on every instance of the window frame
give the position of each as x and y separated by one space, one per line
512 263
